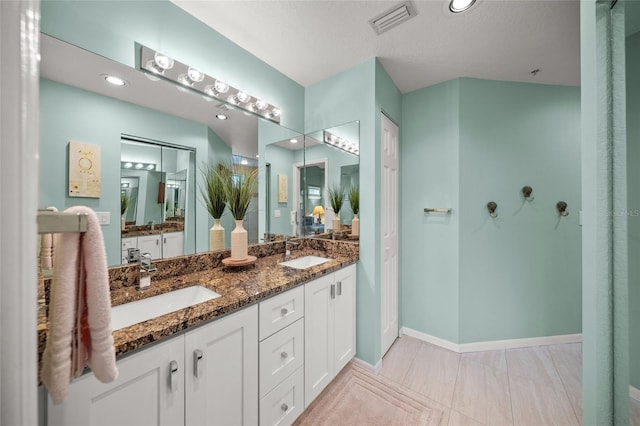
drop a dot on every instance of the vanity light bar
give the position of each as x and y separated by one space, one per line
160 65
341 143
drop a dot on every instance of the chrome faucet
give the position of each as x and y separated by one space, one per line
287 247
145 268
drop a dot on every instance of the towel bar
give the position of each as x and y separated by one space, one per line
437 210
50 222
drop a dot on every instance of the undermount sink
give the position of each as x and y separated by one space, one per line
142 310
305 262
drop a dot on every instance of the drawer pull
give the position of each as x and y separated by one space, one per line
284 355
284 311
173 376
333 291
197 365
284 407
339 288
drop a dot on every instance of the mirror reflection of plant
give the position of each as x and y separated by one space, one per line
354 199
124 202
240 186
336 198
214 193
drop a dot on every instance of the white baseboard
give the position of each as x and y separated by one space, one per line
493 344
634 393
372 368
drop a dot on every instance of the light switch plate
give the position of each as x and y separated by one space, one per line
276 213
104 218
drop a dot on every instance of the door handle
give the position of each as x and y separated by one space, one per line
339 288
197 365
173 376
165 240
333 291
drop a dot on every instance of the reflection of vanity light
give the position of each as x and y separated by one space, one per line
150 167
116 81
163 61
221 117
139 166
261 105
243 97
293 140
124 185
128 165
341 143
195 75
244 162
221 86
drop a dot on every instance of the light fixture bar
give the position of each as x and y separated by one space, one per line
341 143
190 78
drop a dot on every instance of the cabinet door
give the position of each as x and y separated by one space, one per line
150 244
172 244
141 395
345 316
318 336
222 385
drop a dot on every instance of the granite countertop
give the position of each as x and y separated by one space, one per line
238 287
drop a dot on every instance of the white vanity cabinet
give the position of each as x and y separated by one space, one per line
141 395
221 381
127 243
166 385
330 308
151 244
282 358
172 244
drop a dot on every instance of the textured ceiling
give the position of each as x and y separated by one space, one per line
496 39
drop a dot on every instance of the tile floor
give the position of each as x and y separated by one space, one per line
530 386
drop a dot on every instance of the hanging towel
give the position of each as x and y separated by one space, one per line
79 310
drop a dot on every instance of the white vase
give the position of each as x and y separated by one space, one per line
336 223
355 226
123 223
216 236
239 242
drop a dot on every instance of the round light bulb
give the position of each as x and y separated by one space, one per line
244 162
243 96
128 165
210 90
276 112
221 86
195 75
151 167
139 166
261 105
184 80
163 61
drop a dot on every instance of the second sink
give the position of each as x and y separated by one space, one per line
305 262
142 310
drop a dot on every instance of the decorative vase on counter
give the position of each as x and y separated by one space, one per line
337 226
355 225
123 223
216 236
239 242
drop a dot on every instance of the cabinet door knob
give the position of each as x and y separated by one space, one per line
284 407
173 376
339 288
197 365
284 311
284 355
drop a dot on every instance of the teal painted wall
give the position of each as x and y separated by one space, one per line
219 153
281 160
68 113
520 273
429 265
467 277
633 199
350 96
110 29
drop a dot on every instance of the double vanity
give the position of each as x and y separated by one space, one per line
213 345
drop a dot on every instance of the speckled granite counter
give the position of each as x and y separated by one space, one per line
238 287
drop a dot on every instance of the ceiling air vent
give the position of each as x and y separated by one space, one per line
393 17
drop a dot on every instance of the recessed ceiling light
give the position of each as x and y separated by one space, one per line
116 81
292 140
244 162
221 117
457 6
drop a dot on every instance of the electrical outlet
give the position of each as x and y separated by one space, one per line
104 218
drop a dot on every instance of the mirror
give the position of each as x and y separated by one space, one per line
331 160
78 104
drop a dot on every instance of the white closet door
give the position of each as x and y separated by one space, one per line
389 231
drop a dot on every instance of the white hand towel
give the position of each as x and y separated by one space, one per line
79 310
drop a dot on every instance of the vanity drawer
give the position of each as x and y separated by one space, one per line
285 403
280 311
280 355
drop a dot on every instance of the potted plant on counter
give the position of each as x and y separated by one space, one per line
336 198
215 199
354 200
124 203
240 185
